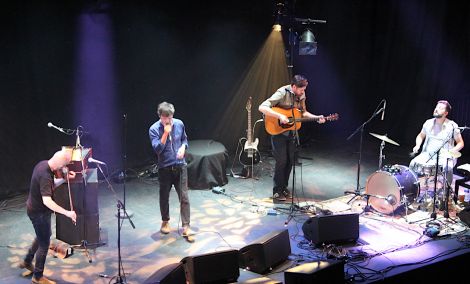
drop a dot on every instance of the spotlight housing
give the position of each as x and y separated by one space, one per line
308 44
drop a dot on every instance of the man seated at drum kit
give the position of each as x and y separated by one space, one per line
441 136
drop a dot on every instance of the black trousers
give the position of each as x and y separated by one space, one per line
176 176
283 148
40 246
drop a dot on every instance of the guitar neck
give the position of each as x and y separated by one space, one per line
305 119
248 129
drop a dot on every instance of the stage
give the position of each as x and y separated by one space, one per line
234 215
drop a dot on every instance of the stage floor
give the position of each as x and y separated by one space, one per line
241 212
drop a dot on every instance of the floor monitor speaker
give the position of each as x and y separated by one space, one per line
266 252
217 267
328 229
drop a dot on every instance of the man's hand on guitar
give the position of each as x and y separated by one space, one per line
321 119
283 119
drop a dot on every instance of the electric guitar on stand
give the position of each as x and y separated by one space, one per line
250 154
273 125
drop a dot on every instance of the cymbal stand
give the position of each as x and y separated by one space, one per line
381 156
361 129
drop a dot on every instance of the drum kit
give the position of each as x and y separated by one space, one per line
395 187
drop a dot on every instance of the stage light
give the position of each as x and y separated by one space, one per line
308 44
278 16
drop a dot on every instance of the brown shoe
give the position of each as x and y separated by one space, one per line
165 229
42 280
25 265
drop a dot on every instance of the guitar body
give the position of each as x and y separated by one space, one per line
250 154
274 127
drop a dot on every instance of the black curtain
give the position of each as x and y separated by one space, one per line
411 53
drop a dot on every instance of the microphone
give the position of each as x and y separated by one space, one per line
383 111
91 160
50 125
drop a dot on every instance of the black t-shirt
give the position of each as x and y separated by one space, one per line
42 184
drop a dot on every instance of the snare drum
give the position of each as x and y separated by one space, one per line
391 188
426 169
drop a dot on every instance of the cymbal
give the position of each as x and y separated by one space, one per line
384 138
451 154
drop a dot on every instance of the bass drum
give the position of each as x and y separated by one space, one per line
391 188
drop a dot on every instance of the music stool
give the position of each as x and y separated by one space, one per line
464 170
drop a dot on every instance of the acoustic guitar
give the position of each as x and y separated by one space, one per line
250 154
273 125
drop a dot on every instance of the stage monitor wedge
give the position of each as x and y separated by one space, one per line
332 229
266 252
216 267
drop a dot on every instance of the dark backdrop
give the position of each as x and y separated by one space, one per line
192 54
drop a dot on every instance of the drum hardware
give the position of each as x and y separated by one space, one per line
384 139
392 188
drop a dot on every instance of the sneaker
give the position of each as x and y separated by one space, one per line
277 197
165 229
187 234
25 265
287 194
42 280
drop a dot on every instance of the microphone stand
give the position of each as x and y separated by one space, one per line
447 187
296 142
121 277
361 129
124 165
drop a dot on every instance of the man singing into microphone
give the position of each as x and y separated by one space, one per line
40 205
169 141
438 132
283 144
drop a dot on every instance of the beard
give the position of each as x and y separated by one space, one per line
436 115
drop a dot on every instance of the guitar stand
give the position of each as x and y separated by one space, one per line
247 170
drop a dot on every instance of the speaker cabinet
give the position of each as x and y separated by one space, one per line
169 274
331 271
85 203
329 229
266 252
217 267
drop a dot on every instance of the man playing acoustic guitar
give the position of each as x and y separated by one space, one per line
278 108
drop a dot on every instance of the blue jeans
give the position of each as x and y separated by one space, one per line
40 246
177 176
283 152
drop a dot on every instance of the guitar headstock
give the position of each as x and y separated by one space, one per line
248 104
332 117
